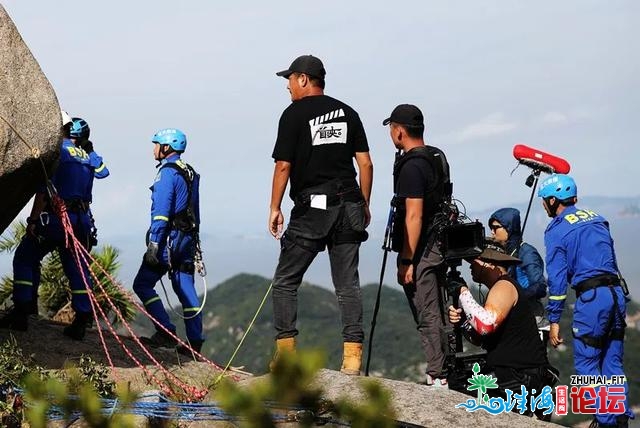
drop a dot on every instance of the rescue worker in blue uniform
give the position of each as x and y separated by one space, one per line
580 253
73 180
172 240
80 133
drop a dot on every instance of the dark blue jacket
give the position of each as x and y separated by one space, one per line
529 274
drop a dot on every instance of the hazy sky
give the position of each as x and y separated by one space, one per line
560 76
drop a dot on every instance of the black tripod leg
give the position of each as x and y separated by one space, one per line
375 312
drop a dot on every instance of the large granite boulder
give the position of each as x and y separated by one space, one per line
29 104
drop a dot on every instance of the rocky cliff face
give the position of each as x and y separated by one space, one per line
29 104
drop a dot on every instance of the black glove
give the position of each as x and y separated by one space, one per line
87 146
151 256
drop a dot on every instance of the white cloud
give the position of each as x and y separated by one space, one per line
555 118
489 126
571 116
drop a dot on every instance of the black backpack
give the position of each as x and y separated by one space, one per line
185 220
436 194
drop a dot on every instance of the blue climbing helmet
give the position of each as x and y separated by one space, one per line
171 137
559 186
79 128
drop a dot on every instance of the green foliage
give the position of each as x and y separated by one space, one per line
54 291
77 389
42 395
14 365
291 386
89 372
8 243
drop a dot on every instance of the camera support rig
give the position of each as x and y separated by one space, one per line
458 242
458 363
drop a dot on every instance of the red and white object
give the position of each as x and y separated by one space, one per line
537 159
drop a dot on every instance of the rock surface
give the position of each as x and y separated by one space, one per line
29 104
421 405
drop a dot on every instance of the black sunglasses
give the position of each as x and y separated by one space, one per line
495 226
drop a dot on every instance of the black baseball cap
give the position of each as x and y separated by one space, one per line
405 114
307 64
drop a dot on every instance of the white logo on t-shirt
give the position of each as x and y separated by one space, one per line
331 133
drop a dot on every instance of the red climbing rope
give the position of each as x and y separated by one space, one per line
82 258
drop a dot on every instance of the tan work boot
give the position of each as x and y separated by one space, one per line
352 358
288 344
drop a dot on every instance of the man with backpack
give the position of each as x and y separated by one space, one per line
172 242
421 184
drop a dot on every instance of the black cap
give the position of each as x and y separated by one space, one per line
405 114
307 64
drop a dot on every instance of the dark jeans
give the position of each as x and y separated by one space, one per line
309 231
424 301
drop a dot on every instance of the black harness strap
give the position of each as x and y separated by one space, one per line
610 281
184 220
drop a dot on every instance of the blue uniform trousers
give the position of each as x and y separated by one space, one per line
591 317
181 250
31 251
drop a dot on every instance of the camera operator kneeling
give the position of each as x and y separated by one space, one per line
505 327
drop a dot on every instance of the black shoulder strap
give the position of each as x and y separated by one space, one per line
436 153
186 172
436 159
184 169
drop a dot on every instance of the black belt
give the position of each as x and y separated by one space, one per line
600 341
611 333
606 280
336 191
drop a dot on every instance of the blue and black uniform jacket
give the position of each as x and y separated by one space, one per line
579 247
169 196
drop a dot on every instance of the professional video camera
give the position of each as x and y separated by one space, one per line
459 239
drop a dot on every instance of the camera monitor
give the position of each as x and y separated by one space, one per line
462 241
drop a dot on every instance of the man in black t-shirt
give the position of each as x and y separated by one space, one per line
419 178
318 137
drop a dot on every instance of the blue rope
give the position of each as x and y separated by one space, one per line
167 409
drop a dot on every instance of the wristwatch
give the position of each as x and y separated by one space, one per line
406 262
